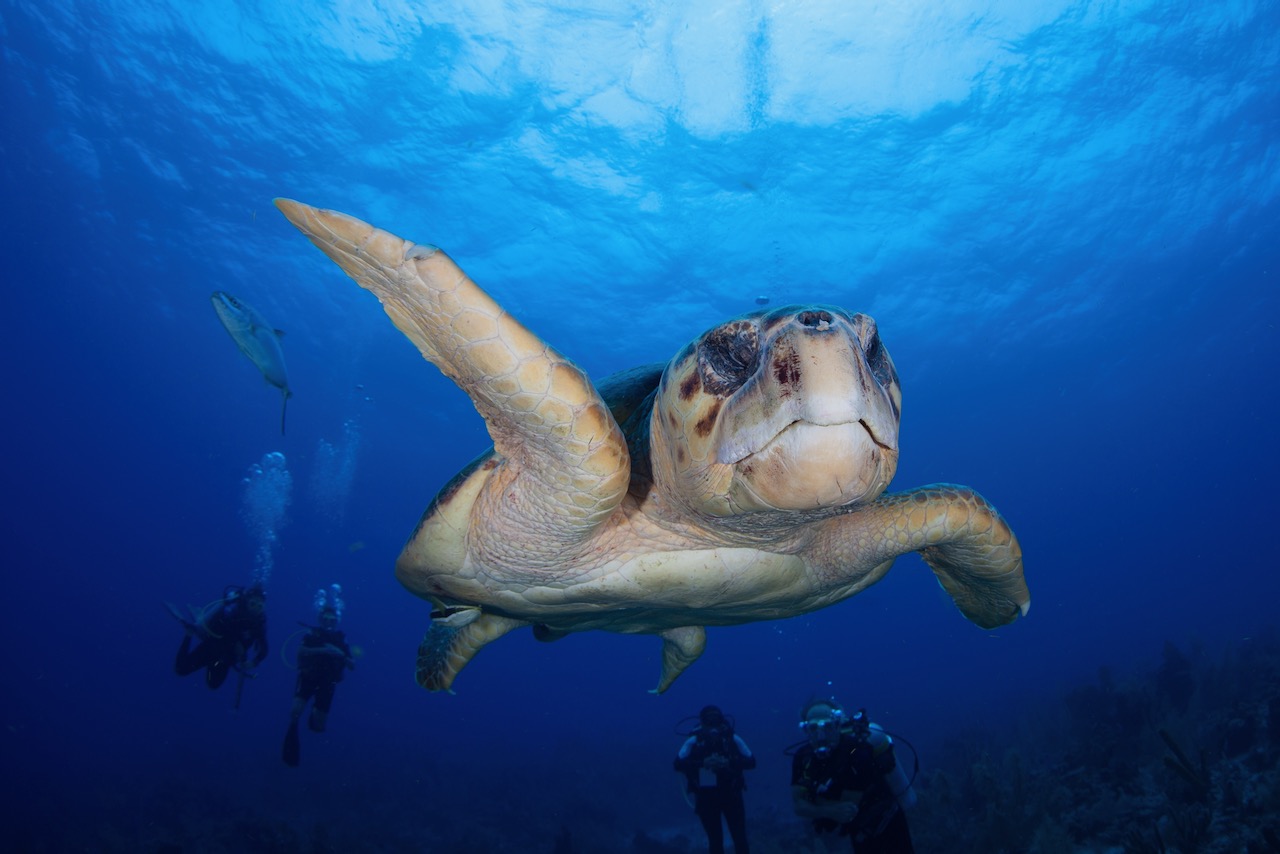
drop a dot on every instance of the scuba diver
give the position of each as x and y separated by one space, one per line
846 778
322 660
226 636
712 760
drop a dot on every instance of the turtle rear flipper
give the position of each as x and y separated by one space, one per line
680 648
566 466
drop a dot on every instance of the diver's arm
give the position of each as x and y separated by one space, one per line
802 802
688 764
900 786
685 760
890 768
745 760
840 811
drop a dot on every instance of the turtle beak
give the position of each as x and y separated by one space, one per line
813 372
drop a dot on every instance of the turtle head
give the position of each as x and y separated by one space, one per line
794 409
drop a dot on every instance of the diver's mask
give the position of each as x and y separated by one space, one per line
823 733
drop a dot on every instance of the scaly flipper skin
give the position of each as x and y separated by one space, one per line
570 461
447 647
963 539
680 648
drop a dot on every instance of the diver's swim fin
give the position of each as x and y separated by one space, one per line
292 752
191 625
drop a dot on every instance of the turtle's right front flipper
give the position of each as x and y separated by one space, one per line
452 642
569 460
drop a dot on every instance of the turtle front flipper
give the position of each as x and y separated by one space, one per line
567 457
680 648
964 540
451 642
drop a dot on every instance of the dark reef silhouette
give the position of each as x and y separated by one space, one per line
1183 759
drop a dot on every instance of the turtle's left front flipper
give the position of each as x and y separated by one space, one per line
964 540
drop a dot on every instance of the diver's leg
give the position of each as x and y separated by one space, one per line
324 696
302 692
216 673
317 719
190 660
183 663
291 751
320 707
708 810
735 815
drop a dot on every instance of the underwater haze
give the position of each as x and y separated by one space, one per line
1064 217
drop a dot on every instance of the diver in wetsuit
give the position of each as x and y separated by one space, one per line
233 636
323 659
847 779
712 759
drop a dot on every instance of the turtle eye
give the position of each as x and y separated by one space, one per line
878 360
729 356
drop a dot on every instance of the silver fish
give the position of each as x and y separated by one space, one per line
257 340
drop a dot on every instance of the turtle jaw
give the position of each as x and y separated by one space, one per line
751 444
813 466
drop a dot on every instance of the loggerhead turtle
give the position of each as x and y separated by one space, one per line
744 480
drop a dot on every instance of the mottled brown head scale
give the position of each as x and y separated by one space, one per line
794 409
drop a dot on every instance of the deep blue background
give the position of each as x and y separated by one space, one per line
1062 215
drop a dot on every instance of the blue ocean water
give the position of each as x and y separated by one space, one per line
1063 216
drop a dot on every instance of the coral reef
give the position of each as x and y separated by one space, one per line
1185 760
